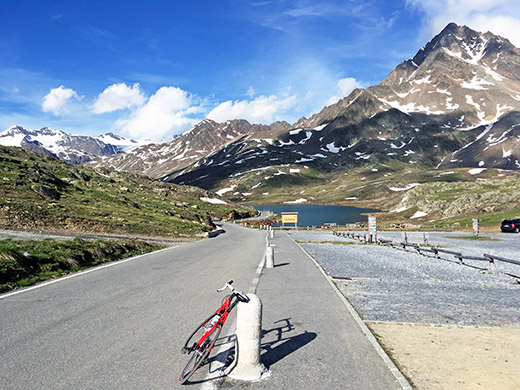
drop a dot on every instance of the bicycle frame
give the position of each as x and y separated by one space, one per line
210 330
223 311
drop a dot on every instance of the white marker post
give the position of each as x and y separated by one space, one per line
269 257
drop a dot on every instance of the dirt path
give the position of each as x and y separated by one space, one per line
454 357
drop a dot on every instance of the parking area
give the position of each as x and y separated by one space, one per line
392 285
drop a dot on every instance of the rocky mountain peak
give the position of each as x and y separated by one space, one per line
453 104
203 139
74 149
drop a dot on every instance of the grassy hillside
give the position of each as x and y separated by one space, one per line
42 193
407 193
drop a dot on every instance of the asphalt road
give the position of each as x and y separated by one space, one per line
122 326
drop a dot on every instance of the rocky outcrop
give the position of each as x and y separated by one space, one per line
445 200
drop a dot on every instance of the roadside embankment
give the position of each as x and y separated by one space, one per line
26 262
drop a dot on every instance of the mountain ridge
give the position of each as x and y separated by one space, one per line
73 149
421 112
158 160
452 104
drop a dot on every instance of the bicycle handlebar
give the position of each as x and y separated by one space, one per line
233 291
227 285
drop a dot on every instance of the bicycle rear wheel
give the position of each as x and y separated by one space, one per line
200 353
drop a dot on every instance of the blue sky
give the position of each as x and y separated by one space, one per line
152 69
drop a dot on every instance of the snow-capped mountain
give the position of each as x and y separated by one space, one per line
471 76
158 160
455 103
74 149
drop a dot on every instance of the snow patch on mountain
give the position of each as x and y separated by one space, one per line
225 190
297 201
476 84
124 143
418 214
408 187
212 200
476 171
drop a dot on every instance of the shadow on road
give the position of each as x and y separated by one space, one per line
279 346
221 357
283 345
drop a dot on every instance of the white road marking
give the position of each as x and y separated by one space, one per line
80 273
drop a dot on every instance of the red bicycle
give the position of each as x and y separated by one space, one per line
203 338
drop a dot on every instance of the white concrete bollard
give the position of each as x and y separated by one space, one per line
269 257
271 233
249 331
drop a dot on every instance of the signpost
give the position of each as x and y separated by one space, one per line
475 226
290 217
372 228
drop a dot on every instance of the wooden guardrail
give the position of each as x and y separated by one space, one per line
491 259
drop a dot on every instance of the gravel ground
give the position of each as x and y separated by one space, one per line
507 244
391 285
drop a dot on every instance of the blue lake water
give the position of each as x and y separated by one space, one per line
316 215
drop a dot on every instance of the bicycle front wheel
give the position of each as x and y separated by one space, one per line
200 354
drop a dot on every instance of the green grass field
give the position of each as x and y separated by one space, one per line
41 193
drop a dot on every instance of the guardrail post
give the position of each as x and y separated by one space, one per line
248 333
492 268
269 257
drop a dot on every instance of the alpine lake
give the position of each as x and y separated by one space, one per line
318 215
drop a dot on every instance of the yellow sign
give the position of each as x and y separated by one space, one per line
289 218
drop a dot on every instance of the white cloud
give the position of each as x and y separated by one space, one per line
343 88
56 101
166 113
497 16
118 97
263 109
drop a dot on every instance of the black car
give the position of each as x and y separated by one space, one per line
510 225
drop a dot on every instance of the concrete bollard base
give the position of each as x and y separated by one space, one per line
249 331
